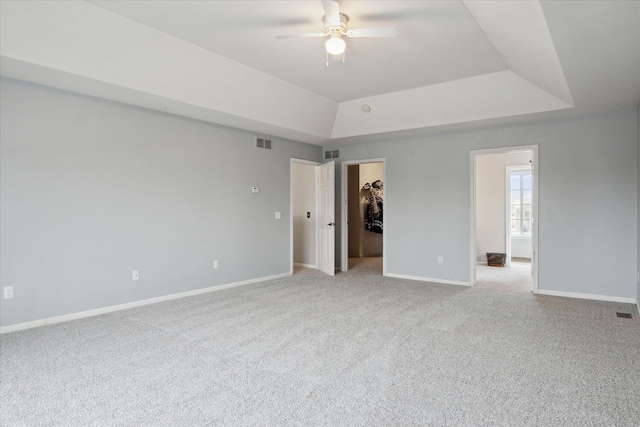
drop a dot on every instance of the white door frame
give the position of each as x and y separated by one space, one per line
534 229
304 162
344 195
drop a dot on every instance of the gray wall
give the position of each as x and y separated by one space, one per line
91 190
587 201
638 213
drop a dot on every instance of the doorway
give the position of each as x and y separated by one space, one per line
303 214
312 227
363 223
504 207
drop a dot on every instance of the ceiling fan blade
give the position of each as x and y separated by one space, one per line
372 32
300 35
332 12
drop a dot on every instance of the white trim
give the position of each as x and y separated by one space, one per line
473 245
134 304
291 162
344 191
638 305
535 167
586 296
472 205
428 279
300 264
507 218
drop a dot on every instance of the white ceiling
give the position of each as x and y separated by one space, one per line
453 63
245 32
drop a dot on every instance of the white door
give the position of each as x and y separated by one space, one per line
326 218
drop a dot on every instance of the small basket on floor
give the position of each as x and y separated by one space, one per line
495 259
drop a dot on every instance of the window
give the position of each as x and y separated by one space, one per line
521 196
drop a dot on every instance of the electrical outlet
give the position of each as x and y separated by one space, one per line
440 259
215 263
136 275
8 292
278 215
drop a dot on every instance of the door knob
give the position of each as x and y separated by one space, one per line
332 224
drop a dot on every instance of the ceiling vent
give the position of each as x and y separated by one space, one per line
331 154
263 143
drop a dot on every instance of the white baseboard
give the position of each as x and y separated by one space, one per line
587 296
427 279
300 264
638 305
134 304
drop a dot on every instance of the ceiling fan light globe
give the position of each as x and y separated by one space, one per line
335 45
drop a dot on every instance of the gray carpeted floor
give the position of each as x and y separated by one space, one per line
358 349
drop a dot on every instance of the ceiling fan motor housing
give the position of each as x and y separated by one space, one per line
336 31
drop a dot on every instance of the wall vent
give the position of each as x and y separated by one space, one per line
624 315
332 154
263 143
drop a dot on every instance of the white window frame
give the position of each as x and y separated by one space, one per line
507 198
510 170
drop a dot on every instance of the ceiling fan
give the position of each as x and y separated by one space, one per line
336 25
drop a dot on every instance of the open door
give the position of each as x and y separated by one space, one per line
326 218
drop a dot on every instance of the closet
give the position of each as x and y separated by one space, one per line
365 210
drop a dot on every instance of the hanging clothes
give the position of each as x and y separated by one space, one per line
373 194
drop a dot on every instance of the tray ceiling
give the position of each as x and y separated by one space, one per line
453 63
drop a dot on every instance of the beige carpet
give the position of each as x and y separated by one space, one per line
366 265
516 278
